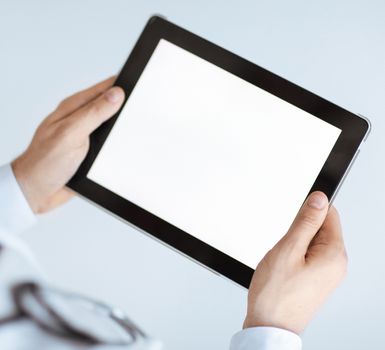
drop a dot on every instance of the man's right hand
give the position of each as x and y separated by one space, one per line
298 274
61 143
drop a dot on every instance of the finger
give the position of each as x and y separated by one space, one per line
79 99
328 244
330 233
89 117
307 222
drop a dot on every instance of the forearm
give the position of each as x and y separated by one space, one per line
15 212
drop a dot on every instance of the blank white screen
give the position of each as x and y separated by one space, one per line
212 154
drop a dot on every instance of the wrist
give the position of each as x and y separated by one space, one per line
26 183
251 322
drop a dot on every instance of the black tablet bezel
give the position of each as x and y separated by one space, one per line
354 129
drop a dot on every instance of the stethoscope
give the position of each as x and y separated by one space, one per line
72 316
66 314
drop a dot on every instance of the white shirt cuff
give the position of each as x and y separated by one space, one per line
15 213
265 338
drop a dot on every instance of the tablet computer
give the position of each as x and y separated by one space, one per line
212 154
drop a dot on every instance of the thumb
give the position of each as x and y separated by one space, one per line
307 222
329 241
89 117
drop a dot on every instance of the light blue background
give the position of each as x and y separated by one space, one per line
49 49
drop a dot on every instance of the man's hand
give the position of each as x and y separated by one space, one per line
297 275
61 143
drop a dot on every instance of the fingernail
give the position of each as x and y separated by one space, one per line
317 200
114 94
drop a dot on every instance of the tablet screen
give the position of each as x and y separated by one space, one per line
212 154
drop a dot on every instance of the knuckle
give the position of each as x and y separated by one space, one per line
280 257
63 104
287 245
44 127
308 219
93 109
62 131
268 258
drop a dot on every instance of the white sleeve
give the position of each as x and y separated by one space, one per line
17 262
15 212
265 338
